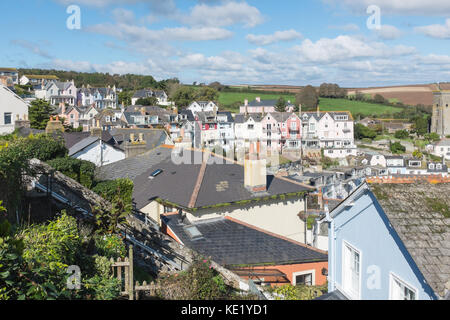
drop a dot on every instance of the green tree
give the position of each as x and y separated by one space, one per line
150 101
308 98
362 132
397 147
39 114
125 98
420 125
379 99
206 94
401 134
281 105
183 96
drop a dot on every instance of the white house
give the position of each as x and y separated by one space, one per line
12 108
97 151
442 149
202 106
61 92
12 73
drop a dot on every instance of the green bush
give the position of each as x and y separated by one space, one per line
122 188
397 147
110 246
79 170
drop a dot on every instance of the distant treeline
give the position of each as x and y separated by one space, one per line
96 79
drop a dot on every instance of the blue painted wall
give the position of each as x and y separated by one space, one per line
366 227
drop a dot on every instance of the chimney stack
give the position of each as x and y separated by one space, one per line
258 99
255 167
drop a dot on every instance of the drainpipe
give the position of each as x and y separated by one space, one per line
332 237
305 201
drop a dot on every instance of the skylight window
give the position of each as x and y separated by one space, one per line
155 173
193 232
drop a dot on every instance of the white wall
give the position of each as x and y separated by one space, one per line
279 217
11 103
92 153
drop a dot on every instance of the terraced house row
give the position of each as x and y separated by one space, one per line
277 131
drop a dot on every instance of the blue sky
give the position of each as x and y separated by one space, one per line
234 41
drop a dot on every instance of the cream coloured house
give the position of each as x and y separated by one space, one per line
201 187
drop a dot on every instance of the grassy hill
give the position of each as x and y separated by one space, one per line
228 99
355 107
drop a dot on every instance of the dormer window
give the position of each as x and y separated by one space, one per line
439 166
431 166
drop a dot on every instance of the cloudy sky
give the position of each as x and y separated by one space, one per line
293 42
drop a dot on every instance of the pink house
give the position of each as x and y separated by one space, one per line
281 130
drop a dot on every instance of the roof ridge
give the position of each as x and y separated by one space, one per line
199 182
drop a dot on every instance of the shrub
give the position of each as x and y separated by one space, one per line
397 147
79 170
122 188
110 246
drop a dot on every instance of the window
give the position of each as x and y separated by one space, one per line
8 118
351 271
294 126
304 278
400 290
168 209
251 127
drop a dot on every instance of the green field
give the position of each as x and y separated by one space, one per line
354 107
226 99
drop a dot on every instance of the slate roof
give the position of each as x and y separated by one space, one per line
87 141
153 137
222 183
134 166
242 118
333 114
25 132
420 214
188 114
334 295
227 114
265 103
144 93
230 243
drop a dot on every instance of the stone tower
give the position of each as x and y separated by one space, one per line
440 122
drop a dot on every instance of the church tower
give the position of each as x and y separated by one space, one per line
440 122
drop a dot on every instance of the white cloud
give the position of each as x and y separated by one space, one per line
224 14
436 30
347 47
388 32
346 27
142 35
263 40
33 47
399 7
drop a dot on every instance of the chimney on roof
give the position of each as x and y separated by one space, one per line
97 131
54 125
318 110
258 99
135 147
255 169
246 102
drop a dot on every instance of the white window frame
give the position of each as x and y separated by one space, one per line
300 273
346 290
392 278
